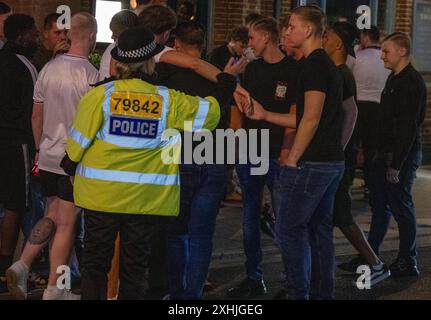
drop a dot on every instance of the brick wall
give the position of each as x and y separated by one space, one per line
231 13
40 8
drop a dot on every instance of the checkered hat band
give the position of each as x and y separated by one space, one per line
141 52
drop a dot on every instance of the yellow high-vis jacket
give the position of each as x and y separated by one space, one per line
118 140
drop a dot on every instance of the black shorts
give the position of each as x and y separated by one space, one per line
15 169
343 203
56 185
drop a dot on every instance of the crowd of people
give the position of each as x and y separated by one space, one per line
104 200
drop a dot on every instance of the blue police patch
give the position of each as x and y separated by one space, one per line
133 127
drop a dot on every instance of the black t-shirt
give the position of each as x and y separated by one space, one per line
220 56
191 83
273 86
402 114
349 91
319 73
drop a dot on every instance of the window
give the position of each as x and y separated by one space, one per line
104 12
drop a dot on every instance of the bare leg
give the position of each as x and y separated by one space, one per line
63 240
41 233
357 238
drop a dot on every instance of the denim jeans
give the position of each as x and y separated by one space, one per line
252 192
190 236
304 228
388 199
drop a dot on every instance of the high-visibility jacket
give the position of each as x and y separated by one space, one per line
117 139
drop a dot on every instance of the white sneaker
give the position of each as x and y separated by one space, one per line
16 277
58 294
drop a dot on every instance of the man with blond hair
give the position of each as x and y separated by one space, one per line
59 88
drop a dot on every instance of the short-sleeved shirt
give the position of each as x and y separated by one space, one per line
60 86
274 87
160 54
319 73
105 63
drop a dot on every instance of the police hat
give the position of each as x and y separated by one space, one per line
136 45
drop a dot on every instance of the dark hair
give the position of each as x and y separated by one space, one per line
16 25
284 22
125 18
50 19
238 34
268 25
143 2
158 19
253 17
4 8
191 33
314 15
373 33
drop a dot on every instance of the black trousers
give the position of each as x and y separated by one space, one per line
368 121
136 234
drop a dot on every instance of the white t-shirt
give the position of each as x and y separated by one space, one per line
370 74
158 56
60 86
105 63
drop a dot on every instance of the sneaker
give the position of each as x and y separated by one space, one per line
58 294
401 268
379 273
352 265
248 289
16 277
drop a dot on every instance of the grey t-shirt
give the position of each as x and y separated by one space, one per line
60 86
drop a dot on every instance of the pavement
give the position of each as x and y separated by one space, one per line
227 267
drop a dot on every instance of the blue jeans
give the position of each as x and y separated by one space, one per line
252 192
388 199
304 228
190 235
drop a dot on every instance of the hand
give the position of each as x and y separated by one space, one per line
257 112
61 47
242 98
392 175
236 67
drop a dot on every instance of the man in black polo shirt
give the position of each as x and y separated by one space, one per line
202 185
271 81
310 176
17 79
399 153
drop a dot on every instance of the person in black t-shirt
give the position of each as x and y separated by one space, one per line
399 153
271 81
236 43
311 175
338 43
190 235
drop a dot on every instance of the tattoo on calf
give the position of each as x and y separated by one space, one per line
42 232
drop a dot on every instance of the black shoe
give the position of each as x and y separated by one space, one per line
402 268
352 265
248 289
280 295
379 273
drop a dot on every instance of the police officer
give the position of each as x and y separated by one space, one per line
125 162
398 154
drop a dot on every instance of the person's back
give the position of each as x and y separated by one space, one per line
61 85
